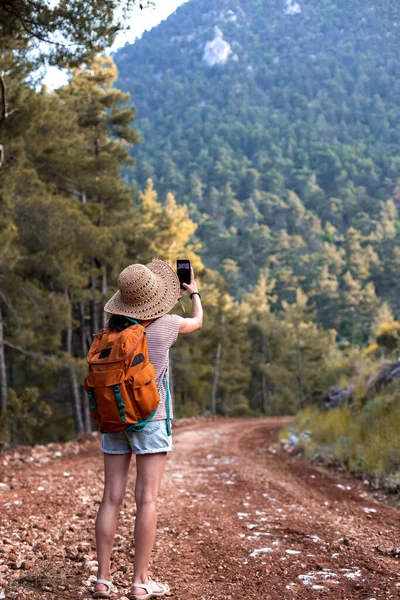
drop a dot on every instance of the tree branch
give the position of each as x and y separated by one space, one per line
10 308
40 357
4 112
3 98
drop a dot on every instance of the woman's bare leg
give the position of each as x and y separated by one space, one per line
150 469
116 469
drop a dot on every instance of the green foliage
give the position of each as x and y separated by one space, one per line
67 32
383 315
372 350
363 438
334 425
304 417
287 160
293 360
61 184
240 408
216 385
388 335
26 418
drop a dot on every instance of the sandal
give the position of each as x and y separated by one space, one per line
150 593
105 593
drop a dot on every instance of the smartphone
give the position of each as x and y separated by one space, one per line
183 270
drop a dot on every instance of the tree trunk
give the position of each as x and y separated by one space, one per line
104 289
224 406
87 422
185 392
94 322
76 399
11 369
213 407
3 369
73 380
215 381
300 381
84 346
264 390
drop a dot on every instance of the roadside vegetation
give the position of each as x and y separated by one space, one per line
356 425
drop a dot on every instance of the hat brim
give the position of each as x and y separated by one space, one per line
165 297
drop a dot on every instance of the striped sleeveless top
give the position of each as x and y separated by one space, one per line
161 335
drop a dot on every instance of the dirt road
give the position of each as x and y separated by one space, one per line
238 519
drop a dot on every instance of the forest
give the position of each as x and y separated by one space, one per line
275 170
288 160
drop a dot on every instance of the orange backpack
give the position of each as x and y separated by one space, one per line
121 382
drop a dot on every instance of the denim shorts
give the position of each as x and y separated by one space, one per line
153 438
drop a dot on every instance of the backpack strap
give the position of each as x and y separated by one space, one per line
143 323
133 321
167 402
120 403
147 323
141 424
93 404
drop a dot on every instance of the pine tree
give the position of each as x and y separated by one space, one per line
383 315
61 181
261 322
68 39
358 305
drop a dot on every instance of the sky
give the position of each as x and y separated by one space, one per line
141 20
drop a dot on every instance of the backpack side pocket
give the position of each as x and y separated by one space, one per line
143 388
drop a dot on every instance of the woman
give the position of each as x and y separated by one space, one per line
146 293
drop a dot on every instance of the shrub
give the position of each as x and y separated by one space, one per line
364 439
241 410
189 409
388 335
25 416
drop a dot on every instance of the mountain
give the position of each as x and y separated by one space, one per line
278 123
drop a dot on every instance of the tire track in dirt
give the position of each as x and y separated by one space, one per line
317 538
237 519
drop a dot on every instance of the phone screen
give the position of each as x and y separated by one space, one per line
183 270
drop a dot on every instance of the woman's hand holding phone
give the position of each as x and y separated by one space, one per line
192 287
196 321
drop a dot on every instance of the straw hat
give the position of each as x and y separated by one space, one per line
145 291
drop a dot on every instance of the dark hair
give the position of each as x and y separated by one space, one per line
118 322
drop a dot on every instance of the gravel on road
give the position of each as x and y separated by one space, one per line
239 519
